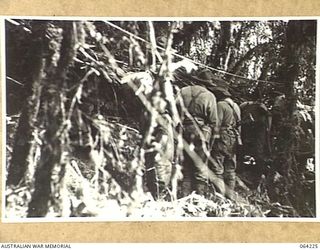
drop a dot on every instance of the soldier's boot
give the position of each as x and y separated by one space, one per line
230 178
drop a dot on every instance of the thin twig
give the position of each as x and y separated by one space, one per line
15 81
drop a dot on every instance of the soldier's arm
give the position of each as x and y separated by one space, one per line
220 110
213 115
239 125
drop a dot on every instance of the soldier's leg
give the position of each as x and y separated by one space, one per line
201 168
230 176
187 185
195 164
158 175
217 168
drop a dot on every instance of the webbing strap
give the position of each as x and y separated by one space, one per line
236 115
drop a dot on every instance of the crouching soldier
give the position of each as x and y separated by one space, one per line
224 149
199 109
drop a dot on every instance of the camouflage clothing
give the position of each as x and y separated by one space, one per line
201 105
224 150
197 131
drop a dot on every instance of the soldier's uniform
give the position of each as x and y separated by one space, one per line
255 131
198 128
159 148
224 150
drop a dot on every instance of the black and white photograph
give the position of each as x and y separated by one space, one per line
159 119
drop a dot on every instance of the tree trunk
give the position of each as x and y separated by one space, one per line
25 138
297 36
50 173
220 54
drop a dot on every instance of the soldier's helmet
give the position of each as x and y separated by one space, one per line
220 86
204 77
